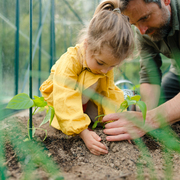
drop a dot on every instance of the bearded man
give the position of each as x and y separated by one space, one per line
158 32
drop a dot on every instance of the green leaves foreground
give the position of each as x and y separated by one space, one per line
23 101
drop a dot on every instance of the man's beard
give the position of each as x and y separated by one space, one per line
162 31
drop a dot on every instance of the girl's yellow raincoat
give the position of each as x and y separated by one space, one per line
63 90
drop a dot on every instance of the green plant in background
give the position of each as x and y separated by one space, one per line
23 101
133 100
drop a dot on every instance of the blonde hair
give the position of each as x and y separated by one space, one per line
112 29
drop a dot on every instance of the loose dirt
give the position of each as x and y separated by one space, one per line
123 162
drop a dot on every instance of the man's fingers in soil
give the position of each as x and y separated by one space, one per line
120 137
136 132
115 124
115 131
110 117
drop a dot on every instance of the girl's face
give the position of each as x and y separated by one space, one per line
101 63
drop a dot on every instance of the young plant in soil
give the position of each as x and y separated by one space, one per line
133 100
23 101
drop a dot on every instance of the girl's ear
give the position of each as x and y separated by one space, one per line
85 43
167 2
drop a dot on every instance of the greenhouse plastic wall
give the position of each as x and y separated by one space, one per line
55 26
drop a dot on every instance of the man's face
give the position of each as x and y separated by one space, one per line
149 18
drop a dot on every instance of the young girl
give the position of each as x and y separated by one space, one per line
89 66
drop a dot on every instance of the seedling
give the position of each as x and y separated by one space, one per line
96 122
23 101
133 100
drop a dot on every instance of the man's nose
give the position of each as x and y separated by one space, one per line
142 28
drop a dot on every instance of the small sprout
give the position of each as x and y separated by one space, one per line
143 109
23 101
96 122
49 116
133 100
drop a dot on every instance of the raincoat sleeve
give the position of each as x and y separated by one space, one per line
61 90
112 97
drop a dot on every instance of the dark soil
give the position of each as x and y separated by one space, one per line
76 162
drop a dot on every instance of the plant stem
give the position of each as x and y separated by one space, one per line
34 110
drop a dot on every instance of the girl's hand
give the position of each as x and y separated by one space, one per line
92 141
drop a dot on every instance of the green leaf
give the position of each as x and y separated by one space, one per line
20 101
41 109
136 97
99 116
96 122
130 102
46 119
39 101
49 116
124 105
33 131
128 98
44 131
52 114
137 86
95 125
143 108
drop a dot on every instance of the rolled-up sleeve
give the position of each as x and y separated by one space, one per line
150 61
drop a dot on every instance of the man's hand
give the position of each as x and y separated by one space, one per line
127 125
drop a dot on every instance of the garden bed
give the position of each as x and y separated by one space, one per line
74 160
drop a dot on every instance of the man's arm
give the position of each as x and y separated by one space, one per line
150 72
170 110
122 128
150 94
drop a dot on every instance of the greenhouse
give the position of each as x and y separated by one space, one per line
36 142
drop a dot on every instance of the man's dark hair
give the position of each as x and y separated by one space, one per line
126 2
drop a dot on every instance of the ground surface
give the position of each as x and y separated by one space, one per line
77 163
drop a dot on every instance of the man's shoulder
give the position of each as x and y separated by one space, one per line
175 7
